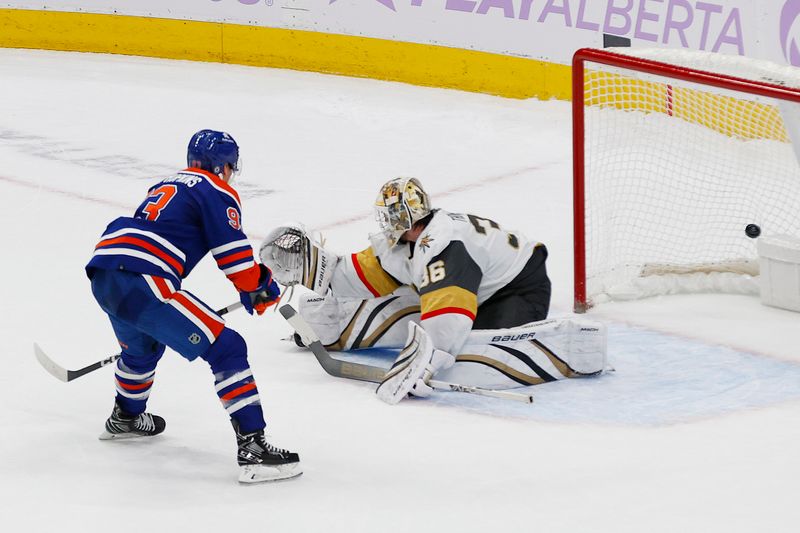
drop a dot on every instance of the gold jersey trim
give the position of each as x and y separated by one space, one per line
372 274
451 299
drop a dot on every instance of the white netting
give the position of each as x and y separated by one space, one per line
675 171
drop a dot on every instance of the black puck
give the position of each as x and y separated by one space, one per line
752 230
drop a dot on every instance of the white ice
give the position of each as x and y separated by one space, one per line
697 430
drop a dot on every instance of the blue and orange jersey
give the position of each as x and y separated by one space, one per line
182 218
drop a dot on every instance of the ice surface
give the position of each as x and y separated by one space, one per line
697 429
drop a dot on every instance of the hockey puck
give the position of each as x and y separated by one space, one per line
752 231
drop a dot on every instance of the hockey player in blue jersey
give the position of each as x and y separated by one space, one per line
136 273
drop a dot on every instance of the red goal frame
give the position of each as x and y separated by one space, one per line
593 55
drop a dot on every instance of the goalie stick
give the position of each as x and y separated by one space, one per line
374 374
66 376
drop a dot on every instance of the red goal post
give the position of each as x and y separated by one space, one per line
654 116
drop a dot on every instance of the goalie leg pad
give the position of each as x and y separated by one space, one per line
532 354
587 343
325 315
352 324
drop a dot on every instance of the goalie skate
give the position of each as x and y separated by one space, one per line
122 426
260 461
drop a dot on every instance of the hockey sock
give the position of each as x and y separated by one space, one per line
133 386
234 382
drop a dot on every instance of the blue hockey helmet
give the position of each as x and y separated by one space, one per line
210 150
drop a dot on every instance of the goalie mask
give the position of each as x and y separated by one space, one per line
401 202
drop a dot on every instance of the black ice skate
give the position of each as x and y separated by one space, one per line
123 426
261 461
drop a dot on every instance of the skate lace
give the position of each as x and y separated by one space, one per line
269 447
145 422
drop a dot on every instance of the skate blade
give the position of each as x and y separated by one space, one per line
105 435
265 473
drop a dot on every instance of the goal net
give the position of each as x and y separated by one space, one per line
676 153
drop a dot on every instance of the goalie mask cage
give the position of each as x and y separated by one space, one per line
675 153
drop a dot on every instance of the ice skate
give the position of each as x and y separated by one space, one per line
260 461
123 426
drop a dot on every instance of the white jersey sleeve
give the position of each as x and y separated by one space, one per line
459 262
362 274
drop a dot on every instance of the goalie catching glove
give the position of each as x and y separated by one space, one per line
413 368
266 294
294 257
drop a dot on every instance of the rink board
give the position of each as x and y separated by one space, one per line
419 64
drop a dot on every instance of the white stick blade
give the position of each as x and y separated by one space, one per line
55 370
307 334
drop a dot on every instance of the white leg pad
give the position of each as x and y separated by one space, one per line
531 354
351 323
325 315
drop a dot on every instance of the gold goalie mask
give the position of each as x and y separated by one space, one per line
401 202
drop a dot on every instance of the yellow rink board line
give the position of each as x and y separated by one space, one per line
418 64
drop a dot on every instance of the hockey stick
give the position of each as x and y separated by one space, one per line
334 367
374 374
66 376
503 394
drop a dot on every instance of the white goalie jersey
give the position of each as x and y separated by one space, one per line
457 263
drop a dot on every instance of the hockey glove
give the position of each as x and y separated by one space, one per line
414 365
266 294
439 361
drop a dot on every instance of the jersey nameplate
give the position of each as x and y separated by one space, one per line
189 181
